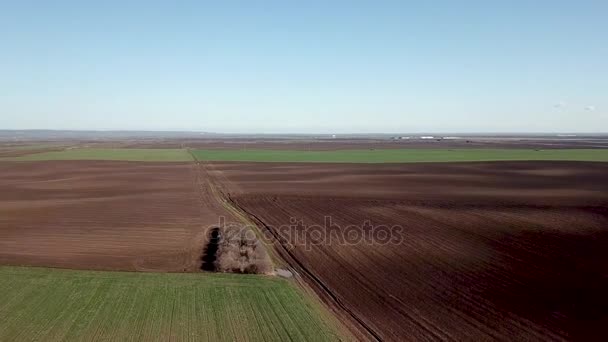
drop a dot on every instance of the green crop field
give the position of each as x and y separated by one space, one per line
38 304
133 154
401 155
340 156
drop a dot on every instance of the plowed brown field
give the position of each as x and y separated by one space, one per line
503 251
105 215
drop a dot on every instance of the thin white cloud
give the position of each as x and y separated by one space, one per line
560 104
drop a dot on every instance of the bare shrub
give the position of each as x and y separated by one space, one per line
241 252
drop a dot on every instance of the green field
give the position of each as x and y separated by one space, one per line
38 304
133 154
401 155
339 156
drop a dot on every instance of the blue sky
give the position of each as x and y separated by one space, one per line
307 66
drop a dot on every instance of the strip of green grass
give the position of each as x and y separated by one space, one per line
401 155
133 154
38 304
30 147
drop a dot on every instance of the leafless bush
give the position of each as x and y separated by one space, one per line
241 252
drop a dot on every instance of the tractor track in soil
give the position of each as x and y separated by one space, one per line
279 248
322 290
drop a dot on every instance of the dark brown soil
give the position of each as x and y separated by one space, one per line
484 251
104 215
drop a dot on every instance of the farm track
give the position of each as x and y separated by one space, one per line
217 183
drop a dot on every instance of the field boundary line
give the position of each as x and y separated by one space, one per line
280 260
219 195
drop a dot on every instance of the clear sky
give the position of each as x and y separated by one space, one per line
305 66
